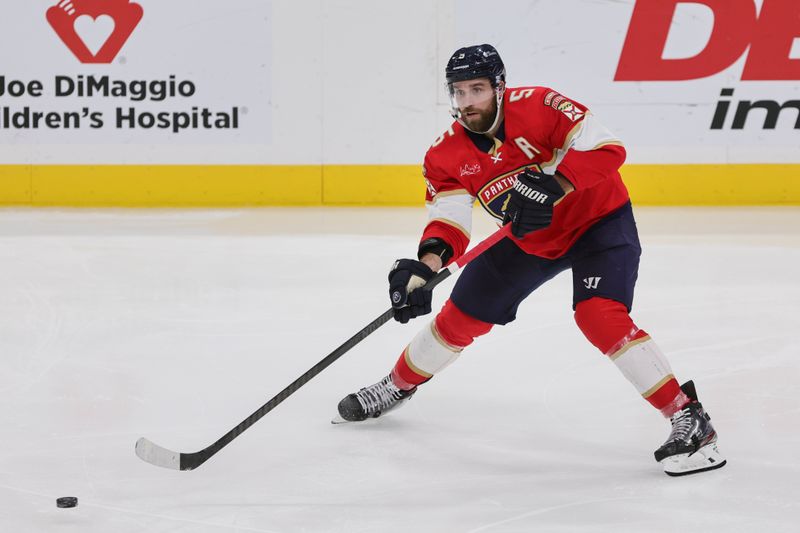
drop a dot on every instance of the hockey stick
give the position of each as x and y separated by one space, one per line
160 456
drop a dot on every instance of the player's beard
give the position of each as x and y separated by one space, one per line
483 121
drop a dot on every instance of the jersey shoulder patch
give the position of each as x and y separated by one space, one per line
572 110
537 101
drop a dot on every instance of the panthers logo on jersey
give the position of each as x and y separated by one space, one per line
494 195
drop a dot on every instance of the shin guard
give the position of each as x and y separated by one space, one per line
608 326
436 346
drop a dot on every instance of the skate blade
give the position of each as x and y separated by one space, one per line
339 420
704 459
336 420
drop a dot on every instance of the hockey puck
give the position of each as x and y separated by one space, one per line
67 502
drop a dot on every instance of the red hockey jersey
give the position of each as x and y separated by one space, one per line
541 129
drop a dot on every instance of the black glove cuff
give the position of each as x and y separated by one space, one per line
435 246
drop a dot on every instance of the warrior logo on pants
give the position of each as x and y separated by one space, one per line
591 283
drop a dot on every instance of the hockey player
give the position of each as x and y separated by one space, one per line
544 164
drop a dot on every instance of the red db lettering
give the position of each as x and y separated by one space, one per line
770 36
778 26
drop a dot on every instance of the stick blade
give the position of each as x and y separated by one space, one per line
154 454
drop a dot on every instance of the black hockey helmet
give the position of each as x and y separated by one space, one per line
474 62
478 61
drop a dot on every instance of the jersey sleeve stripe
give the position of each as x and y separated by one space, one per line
574 134
550 167
592 135
455 225
454 210
587 135
609 143
454 192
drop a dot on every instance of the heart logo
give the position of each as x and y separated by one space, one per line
95 30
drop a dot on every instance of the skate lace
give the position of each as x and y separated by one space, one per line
681 425
379 396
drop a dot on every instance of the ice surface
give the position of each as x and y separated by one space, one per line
175 325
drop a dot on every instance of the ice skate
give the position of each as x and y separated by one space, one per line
692 444
372 402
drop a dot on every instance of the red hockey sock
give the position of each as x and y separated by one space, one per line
406 377
436 346
668 398
607 324
458 328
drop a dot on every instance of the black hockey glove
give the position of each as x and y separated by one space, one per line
530 205
409 297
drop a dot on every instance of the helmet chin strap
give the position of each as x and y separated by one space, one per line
499 98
